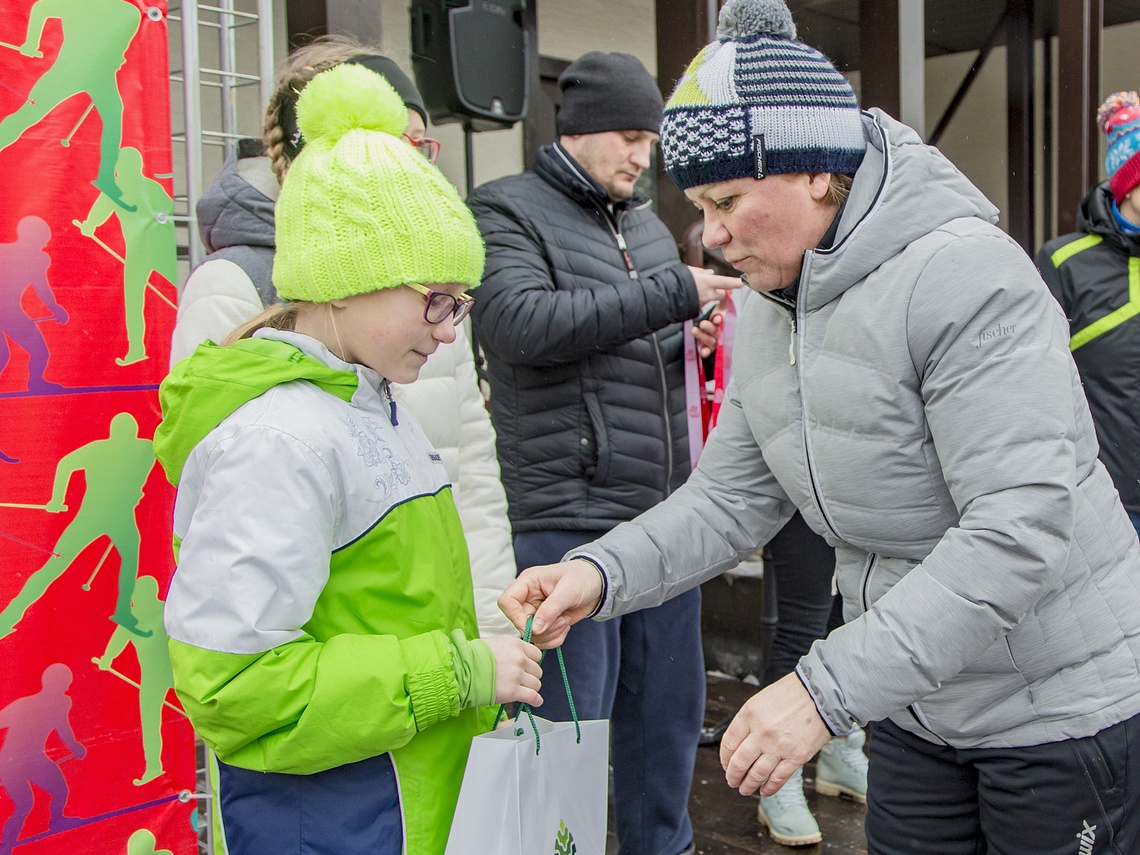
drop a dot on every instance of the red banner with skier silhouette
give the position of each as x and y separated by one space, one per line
94 748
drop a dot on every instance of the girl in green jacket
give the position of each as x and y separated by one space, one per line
321 622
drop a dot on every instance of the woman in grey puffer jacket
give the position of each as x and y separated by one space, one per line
906 383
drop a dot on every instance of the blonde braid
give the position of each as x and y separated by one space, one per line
301 66
277 316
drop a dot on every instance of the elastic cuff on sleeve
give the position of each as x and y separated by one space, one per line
835 731
474 671
604 598
433 689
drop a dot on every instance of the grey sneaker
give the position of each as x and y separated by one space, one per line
841 769
786 815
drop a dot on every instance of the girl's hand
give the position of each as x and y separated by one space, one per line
518 676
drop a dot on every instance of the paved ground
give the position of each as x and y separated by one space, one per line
724 822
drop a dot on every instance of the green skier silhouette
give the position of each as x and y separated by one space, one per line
96 34
148 235
116 469
155 676
142 842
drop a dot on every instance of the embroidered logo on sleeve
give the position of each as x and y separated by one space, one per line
994 332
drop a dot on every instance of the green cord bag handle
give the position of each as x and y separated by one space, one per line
525 708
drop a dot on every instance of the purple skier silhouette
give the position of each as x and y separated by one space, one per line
23 759
24 264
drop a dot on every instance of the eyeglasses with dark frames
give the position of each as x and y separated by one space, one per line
439 305
426 146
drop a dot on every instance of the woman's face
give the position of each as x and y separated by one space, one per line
386 330
764 226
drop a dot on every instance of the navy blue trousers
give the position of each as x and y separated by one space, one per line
350 810
1076 797
645 672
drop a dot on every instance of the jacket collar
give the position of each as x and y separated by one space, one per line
1095 217
557 167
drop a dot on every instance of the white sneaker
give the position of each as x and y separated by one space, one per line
841 769
787 816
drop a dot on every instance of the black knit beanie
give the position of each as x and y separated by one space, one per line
395 75
608 92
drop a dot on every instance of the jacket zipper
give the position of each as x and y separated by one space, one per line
386 387
619 238
792 309
614 222
866 603
866 584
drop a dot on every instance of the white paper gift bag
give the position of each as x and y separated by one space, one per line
528 795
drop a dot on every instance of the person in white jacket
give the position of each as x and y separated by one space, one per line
234 283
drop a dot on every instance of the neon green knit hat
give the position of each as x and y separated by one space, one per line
360 209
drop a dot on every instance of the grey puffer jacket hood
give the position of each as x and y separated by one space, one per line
234 212
919 405
896 199
235 216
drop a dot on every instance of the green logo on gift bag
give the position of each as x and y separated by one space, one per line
564 843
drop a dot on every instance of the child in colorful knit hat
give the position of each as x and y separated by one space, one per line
1119 120
321 623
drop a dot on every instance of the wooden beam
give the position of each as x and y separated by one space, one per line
1078 96
879 55
682 30
1021 223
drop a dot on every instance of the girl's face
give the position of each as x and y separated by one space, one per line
386 330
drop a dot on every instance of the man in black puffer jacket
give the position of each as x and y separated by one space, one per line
581 314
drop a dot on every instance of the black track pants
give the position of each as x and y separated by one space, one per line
1076 797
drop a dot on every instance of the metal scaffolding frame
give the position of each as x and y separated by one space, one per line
225 81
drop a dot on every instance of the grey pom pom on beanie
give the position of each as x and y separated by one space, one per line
739 20
757 102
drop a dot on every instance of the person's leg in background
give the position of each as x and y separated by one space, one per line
1135 517
802 566
657 716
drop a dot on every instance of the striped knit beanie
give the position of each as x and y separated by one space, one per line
360 209
1119 120
757 101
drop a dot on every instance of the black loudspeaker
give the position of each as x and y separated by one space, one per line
469 59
